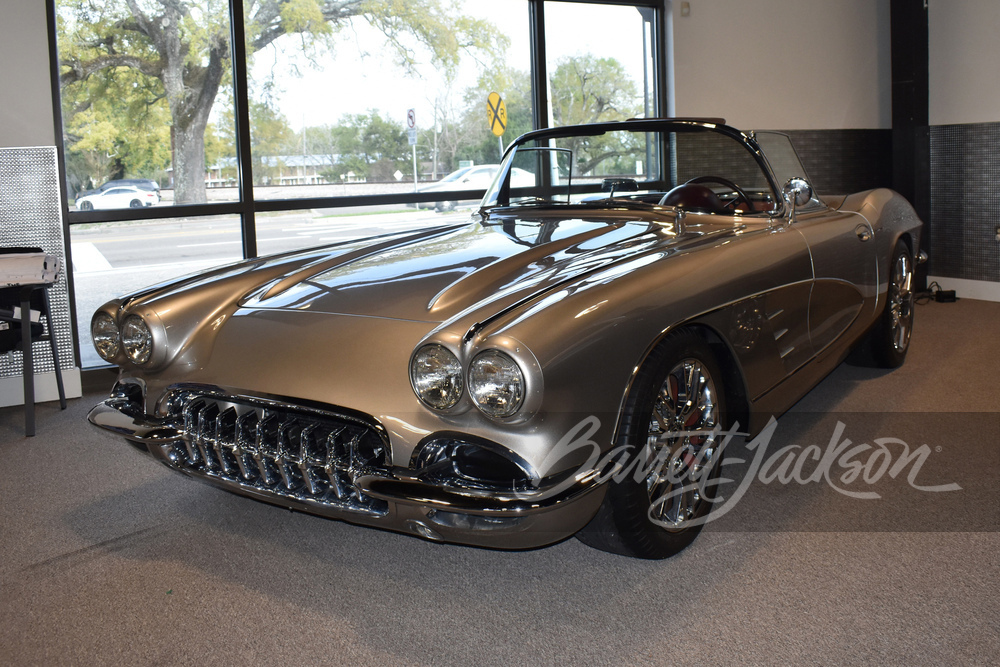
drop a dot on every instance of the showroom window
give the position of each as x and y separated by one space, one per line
593 78
198 132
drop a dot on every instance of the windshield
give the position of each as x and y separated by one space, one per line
782 157
693 166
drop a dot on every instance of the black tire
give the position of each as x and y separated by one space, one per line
86 206
135 203
650 517
890 339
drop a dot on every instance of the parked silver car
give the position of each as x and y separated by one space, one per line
658 283
469 178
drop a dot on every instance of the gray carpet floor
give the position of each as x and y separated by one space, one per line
108 558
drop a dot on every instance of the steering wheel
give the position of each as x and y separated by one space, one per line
740 195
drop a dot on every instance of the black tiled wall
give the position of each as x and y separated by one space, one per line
965 201
965 187
845 161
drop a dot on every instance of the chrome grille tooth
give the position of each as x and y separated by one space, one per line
191 411
288 433
306 461
267 435
340 488
206 433
225 440
312 450
246 429
360 462
336 462
355 464
331 459
264 449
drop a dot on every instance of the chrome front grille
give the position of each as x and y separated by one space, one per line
278 449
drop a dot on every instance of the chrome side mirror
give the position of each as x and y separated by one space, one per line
797 192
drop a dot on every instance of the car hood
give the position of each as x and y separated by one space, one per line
434 276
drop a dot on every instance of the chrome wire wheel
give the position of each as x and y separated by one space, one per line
901 302
674 420
681 444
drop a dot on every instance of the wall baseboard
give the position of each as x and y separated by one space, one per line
981 290
12 387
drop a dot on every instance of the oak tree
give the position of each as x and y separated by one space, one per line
178 52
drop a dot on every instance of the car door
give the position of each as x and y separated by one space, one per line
116 198
845 270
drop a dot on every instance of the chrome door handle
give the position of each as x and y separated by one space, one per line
864 232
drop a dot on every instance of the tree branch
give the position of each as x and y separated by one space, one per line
80 70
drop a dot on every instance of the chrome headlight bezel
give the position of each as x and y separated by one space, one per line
137 339
437 376
497 384
105 335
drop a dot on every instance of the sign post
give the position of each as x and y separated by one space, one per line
411 125
496 115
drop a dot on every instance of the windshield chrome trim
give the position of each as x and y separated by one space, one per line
491 198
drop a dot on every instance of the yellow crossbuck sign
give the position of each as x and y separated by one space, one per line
497 114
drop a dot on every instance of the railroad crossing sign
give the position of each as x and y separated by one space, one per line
496 113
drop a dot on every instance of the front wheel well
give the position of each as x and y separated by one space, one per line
733 380
907 239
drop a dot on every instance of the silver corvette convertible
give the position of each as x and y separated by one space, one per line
654 287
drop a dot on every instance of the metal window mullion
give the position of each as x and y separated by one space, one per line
663 59
50 9
241 109
539 74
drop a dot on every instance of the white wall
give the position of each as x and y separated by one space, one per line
25 88
785 64
964 66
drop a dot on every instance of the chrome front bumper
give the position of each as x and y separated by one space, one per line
337 483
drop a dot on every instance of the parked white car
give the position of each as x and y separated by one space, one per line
126 196
478 177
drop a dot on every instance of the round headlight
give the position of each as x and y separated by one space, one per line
436 376
137 339
104 333
496 384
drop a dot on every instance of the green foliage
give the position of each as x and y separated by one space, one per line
514 87
411 24
270 137
175 55
367 145
588 89
116 120
463 133
304 16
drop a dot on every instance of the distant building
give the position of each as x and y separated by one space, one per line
282 170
